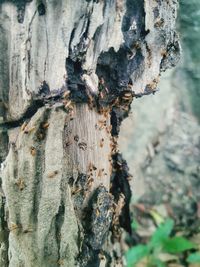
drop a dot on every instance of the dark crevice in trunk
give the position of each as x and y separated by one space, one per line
117 67
120 185
4 235
4 140
74 81
133 26
21 6
31 110
96 224
58 225
45 97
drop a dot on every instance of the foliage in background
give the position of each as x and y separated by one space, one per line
161 248
189 29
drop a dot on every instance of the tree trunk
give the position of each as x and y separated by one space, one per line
69 71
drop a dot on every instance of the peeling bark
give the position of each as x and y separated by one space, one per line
69 72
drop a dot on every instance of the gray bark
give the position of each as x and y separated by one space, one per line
69 71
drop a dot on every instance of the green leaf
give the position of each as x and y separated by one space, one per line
177 244
134 225
194 258
135 254
156 216
158 263
161 234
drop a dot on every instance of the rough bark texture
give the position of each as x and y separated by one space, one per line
69 71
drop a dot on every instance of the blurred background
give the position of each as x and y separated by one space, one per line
161 143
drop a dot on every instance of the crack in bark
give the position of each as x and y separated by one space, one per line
58 225
47 52
4 233
28 43
31 110
97 222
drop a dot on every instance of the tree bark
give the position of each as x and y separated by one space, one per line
69 71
